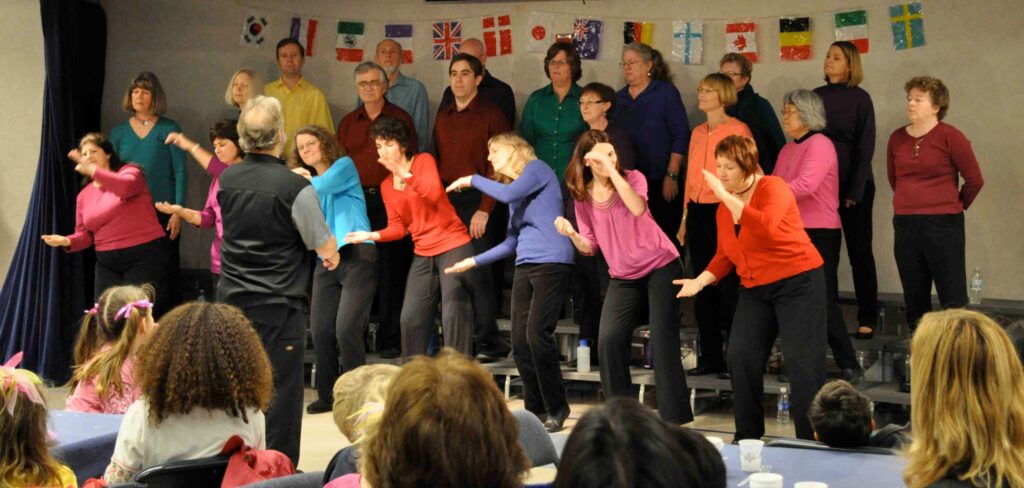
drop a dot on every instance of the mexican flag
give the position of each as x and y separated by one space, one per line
853 26
350 41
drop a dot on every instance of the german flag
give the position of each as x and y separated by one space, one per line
795 38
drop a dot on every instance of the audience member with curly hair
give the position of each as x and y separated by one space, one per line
204 378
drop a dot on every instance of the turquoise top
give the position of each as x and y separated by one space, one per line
163 164
341 199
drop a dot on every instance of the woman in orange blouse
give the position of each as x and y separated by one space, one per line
713 307
762 237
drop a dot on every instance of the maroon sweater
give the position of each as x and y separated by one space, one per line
928 183
117 215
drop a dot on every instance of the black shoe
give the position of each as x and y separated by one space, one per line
853 375
390 353
703 370
724 375
863 336
319 406
554 424
490 354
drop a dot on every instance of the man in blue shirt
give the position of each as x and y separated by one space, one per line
408 93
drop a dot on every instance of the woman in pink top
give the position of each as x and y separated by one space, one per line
224 137
613 216
810 166
115 213
715 305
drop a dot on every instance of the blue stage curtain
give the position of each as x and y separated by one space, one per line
46 289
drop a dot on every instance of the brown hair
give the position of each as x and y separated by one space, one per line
522 153
841 415
659 68
102 327
722 85
25 456
746 67
966 385
571 56
330 150
149 82
852 56
577 174
446 423
204 355
935 89
741 150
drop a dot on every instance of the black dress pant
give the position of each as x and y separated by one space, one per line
797 305
172 288
930 248
622 307
538 292
715 305
667 214
394 259
485 305
282 329
137 265
428 284
828 241
340 311
857 229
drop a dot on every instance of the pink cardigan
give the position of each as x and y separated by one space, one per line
811 169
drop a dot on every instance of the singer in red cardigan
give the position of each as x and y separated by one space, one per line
762 237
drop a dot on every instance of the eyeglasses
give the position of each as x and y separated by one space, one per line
557 63
628 63
787 112
307 146
587 103
369 84
706 90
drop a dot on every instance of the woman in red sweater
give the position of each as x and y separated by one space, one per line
925 161
115 213
416 204
762 237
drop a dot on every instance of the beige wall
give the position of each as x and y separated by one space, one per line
21 112
973 46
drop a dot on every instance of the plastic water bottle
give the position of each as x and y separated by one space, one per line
648 351
976 284
783 415
862 357
583 357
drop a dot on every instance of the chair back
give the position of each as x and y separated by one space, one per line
536 440
193 473
821 446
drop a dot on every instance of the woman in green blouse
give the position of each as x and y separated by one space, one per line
551 120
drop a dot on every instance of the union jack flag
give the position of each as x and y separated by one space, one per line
447 39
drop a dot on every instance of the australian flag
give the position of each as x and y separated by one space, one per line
586 36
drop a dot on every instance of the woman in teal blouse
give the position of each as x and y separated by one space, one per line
551 120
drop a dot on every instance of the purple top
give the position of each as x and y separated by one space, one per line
633 246
811 169
210 214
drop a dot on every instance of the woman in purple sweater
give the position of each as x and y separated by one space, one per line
810 168
613 216
543 267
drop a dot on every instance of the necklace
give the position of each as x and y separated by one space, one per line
145 123
751 185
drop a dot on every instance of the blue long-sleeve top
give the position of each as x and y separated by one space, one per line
534 201
656 121
341 199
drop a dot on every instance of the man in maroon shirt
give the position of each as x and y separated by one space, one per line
461 133
395 257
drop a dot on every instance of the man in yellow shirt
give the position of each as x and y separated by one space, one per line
302 103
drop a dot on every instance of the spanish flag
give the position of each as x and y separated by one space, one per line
795 38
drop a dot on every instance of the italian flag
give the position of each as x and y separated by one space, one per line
853 26
350 41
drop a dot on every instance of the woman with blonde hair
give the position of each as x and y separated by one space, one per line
244 84
968 421
543 267
359 398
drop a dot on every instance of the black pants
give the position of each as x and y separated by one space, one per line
282 329
797 305
428 284
538 291
857 229
622 306
394 259
172 290
485 305
341 309
828 241
930 248
666 214
137 265
715 305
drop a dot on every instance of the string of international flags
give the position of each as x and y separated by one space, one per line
541 29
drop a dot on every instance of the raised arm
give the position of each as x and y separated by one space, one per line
529 182
341 177
126 183
181 141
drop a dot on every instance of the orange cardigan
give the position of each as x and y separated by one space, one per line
772 244
702 156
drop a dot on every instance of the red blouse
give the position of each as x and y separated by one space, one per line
117 215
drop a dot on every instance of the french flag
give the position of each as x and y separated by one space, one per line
304 29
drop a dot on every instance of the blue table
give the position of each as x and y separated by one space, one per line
85 441
838 469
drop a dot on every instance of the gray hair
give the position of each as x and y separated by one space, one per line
367 66
260 124
809 107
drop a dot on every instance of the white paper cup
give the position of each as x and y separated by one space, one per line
717 442
810 484
750 455
766 480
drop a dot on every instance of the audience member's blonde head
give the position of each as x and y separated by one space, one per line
445 425
355 389
966 390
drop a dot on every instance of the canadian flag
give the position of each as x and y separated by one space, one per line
741 38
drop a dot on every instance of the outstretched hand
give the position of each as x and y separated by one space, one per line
460 184
461 266
54 240
358 237
689 289
564 227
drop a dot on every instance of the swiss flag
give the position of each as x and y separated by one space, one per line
740 37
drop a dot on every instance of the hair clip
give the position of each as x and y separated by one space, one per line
94 310
127 309
19 380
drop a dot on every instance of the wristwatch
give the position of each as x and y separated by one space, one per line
673 176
